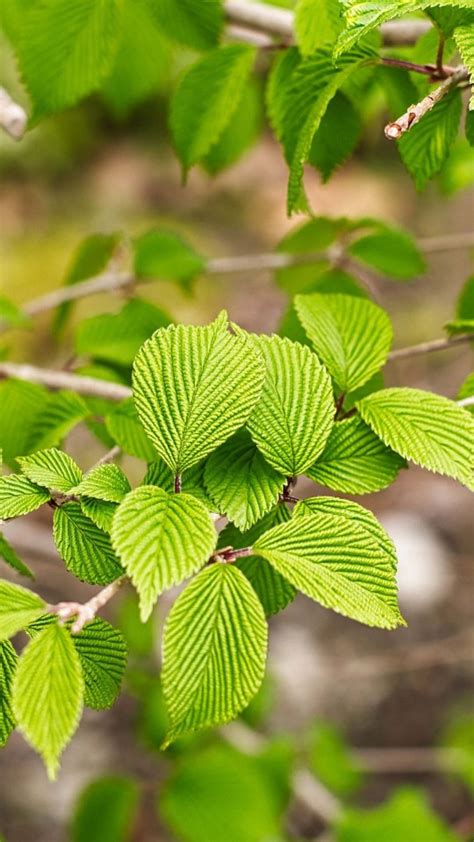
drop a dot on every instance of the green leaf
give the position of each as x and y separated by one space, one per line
273 591
240 482
465 302
463 36
220 788
355 460
239 134
18 608
312 237
427 429
390 251
99 512
331 760
8 661
103 655
336 137
192 481
194 23
47 693
85 548
106 810
313 85
21 404
60 413
425 148
467 390
126 430
11 315
167 256
351 335
9 556
279 80
67 48
214 650
317 24
193 387
52 469
206 98
161 539
116 338
292 421
406 817
459 738
105 482
333 560
449 18
18 496
470 128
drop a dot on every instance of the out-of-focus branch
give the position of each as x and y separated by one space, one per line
13 117
413 114
396 761
466 401
107 282
432 345
63 380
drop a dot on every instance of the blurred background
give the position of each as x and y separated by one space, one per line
365 712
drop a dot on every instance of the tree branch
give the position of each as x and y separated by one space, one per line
427 347
86 612
413 115
13 117
63 380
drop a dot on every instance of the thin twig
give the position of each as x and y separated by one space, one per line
432 70
466 401
412 116
397 761
111 454
13 117
430 346
107 282
86 612
55 380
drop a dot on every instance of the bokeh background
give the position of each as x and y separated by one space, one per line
393 697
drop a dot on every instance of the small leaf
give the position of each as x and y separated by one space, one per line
103 655
193 387
333 560
161 539
355 460
8 661
105 482
391 252
126 430
18 608
427 429
52 469
166 256
206 99
105 810
214 650
85 549
9 556
47 693
240 482
351 335
292 421
18 496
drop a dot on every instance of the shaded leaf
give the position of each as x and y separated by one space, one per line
85 548
103 655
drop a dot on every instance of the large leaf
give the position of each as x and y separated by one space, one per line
355 460
161 539
105 482
206 99
67 48
333 560
52 468
18 496
8 660
194 23
350 334
106 810
240 482
214 650
85 548
18 608
425 148
10 557
103 655
47 693
317 24
427 429
193 387
293 419
21 404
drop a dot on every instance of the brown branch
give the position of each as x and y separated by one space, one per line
107 282
55 380
13 117
432 345
397 761
432 70
412 116
86 612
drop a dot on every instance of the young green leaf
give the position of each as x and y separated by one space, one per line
427 429
103 655
390 251
126 430
292 421
67 48
193 387
161 539
60 413
214 650
106 810
48 693
425 148
52 469
18 496
194 23
9 556
18 608
8 661
105 482
166 256
206 99
85 548
317 24
351 335
463 36
240 482
333 560
355 460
